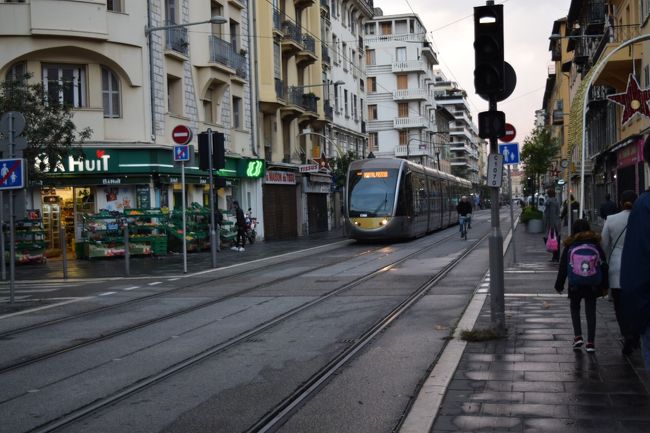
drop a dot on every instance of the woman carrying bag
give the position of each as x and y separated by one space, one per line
552 225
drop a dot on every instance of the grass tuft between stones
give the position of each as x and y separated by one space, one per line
478 335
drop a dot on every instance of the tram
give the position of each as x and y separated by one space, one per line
393 199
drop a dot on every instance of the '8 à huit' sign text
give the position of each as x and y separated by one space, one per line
97 163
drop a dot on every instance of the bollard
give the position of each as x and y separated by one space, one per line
127 256
64 252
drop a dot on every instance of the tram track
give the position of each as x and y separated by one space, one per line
250 334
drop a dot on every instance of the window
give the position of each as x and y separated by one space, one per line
114 5
370 28
372 142
170 9
65 83
216 10
354 107
345 102
403 109
236 112
335 48
336 98
344 50
174 95
386 28
234 35
17 72
400 54
372 112
370 57
110 93
372 84
209 112
400 27
403 138
402 81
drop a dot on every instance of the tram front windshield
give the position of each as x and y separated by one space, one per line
372 192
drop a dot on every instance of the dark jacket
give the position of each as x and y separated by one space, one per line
574 206
608 208
580 238
635 262
241 220
464 208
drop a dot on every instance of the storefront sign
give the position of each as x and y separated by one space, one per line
92 163
280 178
629 155
309 168
251 168
112 181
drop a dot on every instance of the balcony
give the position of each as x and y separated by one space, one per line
410 122
222 52
176 39
307 55
292 37
409 66
409 94
558 117
325 7
277 22
413 149
280 89
462 131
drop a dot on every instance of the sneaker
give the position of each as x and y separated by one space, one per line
578 342
590 347
234 248
241 249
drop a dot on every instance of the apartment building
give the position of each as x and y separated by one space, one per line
464 144
401 110
132 83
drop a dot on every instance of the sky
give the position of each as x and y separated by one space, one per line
527 27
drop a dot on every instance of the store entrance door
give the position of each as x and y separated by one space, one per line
317 212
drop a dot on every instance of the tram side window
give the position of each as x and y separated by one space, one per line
420 194
446 200
404 200
434 193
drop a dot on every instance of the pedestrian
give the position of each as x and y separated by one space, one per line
608 207
635 277
574 206
613 235
583 263
552 221
464 209
240 223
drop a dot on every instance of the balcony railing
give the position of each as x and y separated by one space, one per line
307 101
406 94
176 39
222 52
292 31
410 122
309 43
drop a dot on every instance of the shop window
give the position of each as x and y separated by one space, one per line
174 95
236 112
110 93
65 84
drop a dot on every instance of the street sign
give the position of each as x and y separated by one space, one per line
18 122
510 134
182 153
12 174
495 170
510 152
181 134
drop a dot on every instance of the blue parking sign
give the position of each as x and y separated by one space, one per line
510 152
12 174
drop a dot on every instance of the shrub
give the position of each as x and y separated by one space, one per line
530 213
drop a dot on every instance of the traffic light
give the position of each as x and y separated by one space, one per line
489 69
218 151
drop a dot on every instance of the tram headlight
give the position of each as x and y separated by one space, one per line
356 223
383 222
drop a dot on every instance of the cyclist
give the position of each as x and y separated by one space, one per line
464 209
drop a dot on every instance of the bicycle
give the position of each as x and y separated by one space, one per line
463 221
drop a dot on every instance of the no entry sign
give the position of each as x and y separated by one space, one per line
510 134
181 134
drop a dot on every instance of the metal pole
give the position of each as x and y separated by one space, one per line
184 218
497 300
12 249
213 240
64 252
569 211
2 235
512 216
127 254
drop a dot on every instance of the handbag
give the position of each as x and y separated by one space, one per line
551 241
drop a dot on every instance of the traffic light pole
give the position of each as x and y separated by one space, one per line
213 233
497 297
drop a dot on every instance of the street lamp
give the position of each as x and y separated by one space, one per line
335 83
214 20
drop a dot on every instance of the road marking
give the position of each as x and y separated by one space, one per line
31 310
131 288
173 279
106 293
155 283
30 290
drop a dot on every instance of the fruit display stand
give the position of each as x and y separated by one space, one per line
197 221
29 237
103 236
147 226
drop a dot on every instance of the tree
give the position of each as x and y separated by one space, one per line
341 164
49 130
540 149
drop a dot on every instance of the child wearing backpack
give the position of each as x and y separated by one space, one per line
583 263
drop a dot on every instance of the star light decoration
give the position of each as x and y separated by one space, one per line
634 100
322 162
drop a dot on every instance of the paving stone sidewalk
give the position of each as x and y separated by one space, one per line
533 381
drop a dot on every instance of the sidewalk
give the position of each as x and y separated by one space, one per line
533 381
171 264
